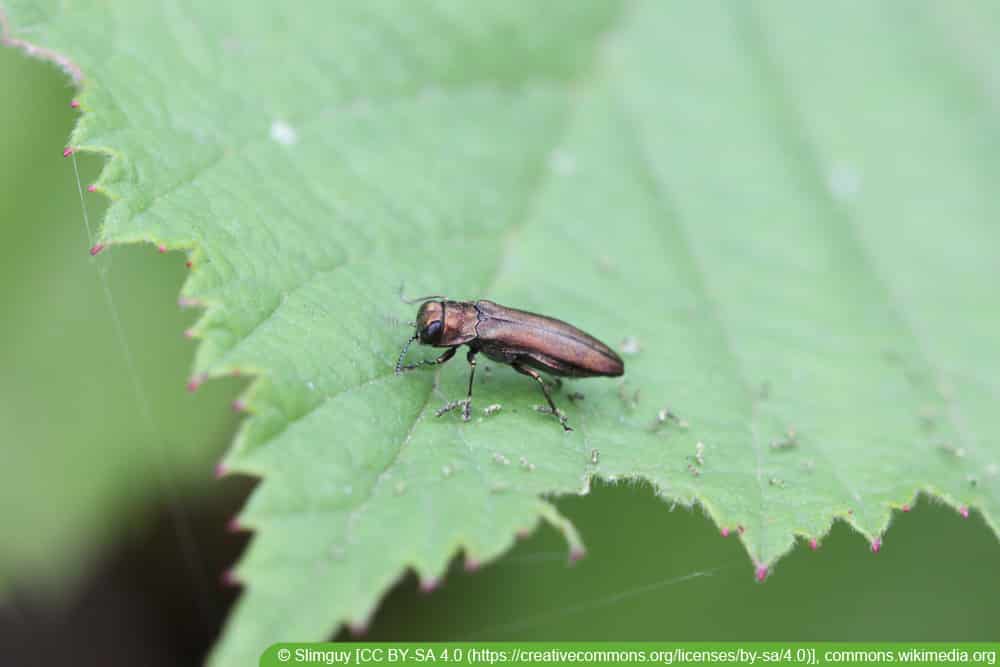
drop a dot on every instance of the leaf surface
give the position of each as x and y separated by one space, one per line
790 214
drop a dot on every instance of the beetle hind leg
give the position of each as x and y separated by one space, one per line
532 373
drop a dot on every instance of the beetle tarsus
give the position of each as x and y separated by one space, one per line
446 408
555 412
451 405
558 414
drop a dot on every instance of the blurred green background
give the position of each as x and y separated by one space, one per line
95 502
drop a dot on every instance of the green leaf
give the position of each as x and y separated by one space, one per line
789 213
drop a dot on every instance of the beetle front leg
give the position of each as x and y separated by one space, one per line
448 354
467 403
467 411
532 373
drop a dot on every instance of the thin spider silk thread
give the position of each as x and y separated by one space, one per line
596 603
178 517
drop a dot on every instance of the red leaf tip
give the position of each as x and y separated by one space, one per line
761 572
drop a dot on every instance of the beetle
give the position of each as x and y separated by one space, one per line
527 342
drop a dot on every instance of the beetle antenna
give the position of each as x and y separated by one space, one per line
396 322
421 299
418 299
402 353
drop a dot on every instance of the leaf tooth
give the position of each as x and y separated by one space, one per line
196 381
229 579
429 584
472 563
551 515
358 628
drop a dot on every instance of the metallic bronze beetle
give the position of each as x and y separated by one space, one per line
525 341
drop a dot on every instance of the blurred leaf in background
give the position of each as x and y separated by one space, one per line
80 464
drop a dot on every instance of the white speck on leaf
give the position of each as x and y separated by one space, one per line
284 133
844 181
562 163
429 93
631 345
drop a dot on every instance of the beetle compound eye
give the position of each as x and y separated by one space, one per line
431 332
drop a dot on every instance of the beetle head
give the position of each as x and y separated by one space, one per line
430 324
442 323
